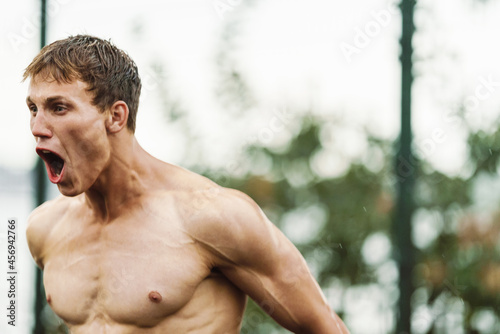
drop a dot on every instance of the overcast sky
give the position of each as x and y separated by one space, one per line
339 57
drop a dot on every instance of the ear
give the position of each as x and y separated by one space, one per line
118 116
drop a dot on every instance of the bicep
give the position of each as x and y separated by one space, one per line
278 279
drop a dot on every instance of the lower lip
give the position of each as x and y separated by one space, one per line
52 177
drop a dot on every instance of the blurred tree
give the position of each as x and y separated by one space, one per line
460 265
349 207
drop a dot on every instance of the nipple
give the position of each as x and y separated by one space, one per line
155 296
48 299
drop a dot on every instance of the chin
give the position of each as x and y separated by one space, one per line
67 191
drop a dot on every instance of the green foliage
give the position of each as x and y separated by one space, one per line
355 205
461 263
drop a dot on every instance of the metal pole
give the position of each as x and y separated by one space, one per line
40 197
43 24
40 293
406 167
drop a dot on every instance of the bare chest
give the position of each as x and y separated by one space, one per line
127 273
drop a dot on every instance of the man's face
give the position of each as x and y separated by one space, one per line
70 133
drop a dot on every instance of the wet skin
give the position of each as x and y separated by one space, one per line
137 245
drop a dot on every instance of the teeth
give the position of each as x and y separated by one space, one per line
45 151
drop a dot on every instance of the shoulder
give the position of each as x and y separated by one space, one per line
43 216
40 223
230 225
215 217
203 202
196 196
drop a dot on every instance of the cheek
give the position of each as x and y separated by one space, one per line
91 144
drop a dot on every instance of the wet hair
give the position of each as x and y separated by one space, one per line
110 74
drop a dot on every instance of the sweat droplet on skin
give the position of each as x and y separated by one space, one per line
155 296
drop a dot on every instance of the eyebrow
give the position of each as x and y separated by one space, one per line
50 99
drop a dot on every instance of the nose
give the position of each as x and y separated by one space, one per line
40 126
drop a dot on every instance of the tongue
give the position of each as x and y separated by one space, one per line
56 167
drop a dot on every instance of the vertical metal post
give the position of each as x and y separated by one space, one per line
40 181
406 168
43 24
40 197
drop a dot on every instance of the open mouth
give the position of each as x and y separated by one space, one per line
54 164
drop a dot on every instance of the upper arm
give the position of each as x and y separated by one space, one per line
252 253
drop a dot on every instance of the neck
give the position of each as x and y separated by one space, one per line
121 182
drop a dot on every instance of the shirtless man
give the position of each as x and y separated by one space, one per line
137 245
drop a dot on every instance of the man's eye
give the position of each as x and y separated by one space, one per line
33 109
60 108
